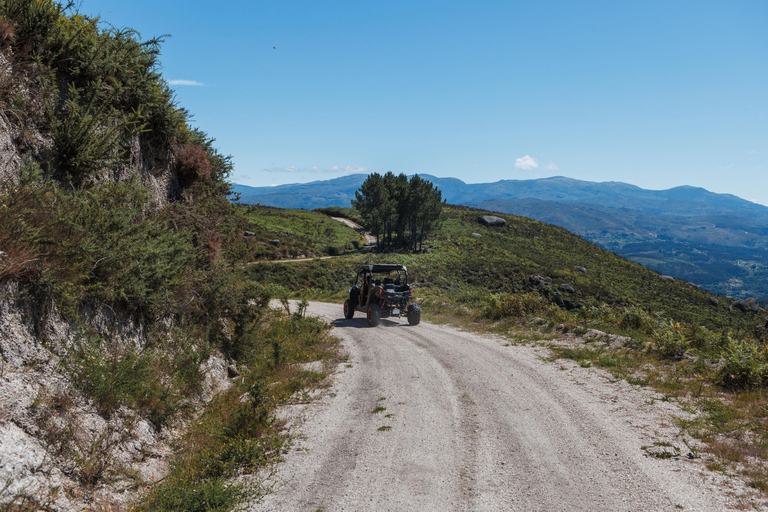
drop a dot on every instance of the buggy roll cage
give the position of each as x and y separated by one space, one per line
402 272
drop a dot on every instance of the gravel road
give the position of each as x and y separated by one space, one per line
472 424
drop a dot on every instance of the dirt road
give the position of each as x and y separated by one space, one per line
471 424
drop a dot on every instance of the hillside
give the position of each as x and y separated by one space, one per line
139 366
466 260
717 241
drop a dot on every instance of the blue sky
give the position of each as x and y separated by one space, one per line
654 93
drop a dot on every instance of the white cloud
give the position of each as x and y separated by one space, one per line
336 169
551 166
526 163
185 82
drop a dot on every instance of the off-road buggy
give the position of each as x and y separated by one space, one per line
382 291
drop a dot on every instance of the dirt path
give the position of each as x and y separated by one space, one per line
370 240
471 424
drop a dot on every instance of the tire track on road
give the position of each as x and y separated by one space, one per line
474 426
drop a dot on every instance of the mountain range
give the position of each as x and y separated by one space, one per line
717 241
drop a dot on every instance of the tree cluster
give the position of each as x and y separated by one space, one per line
394 205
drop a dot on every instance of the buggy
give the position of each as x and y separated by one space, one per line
382 291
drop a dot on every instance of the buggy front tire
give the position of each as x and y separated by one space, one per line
374 315
414 314
349 310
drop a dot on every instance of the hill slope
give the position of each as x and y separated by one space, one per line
718 241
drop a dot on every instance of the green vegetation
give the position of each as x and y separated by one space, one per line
301 234
392 204
236 437
502 280
84 238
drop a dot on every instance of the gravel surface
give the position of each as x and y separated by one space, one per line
470 423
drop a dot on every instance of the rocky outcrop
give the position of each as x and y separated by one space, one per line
745 305
493 221
566 304
23 137
51 435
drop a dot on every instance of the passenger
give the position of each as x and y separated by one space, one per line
364 290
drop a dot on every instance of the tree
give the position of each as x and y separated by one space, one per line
425 204
392 203
372 200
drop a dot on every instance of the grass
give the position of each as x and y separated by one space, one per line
237 433
301 233
708 358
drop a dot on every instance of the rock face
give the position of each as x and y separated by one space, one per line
154 165
490 220
51 436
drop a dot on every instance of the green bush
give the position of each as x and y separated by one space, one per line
670 341
115 376
504 305
744 367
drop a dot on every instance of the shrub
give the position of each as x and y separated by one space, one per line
193 165
115 376
670 340
502 305
744 367
86 135
635 318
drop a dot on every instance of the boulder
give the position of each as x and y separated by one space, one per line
249 233
567 288
565 303
275 242
581 269
490 220
668 278
742 305
713 301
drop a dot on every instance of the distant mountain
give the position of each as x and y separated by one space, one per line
718 241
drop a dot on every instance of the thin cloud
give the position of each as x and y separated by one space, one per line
551 166
336 169
186 82
526 163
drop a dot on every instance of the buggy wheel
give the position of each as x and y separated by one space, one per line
414 314
349 311
374 315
